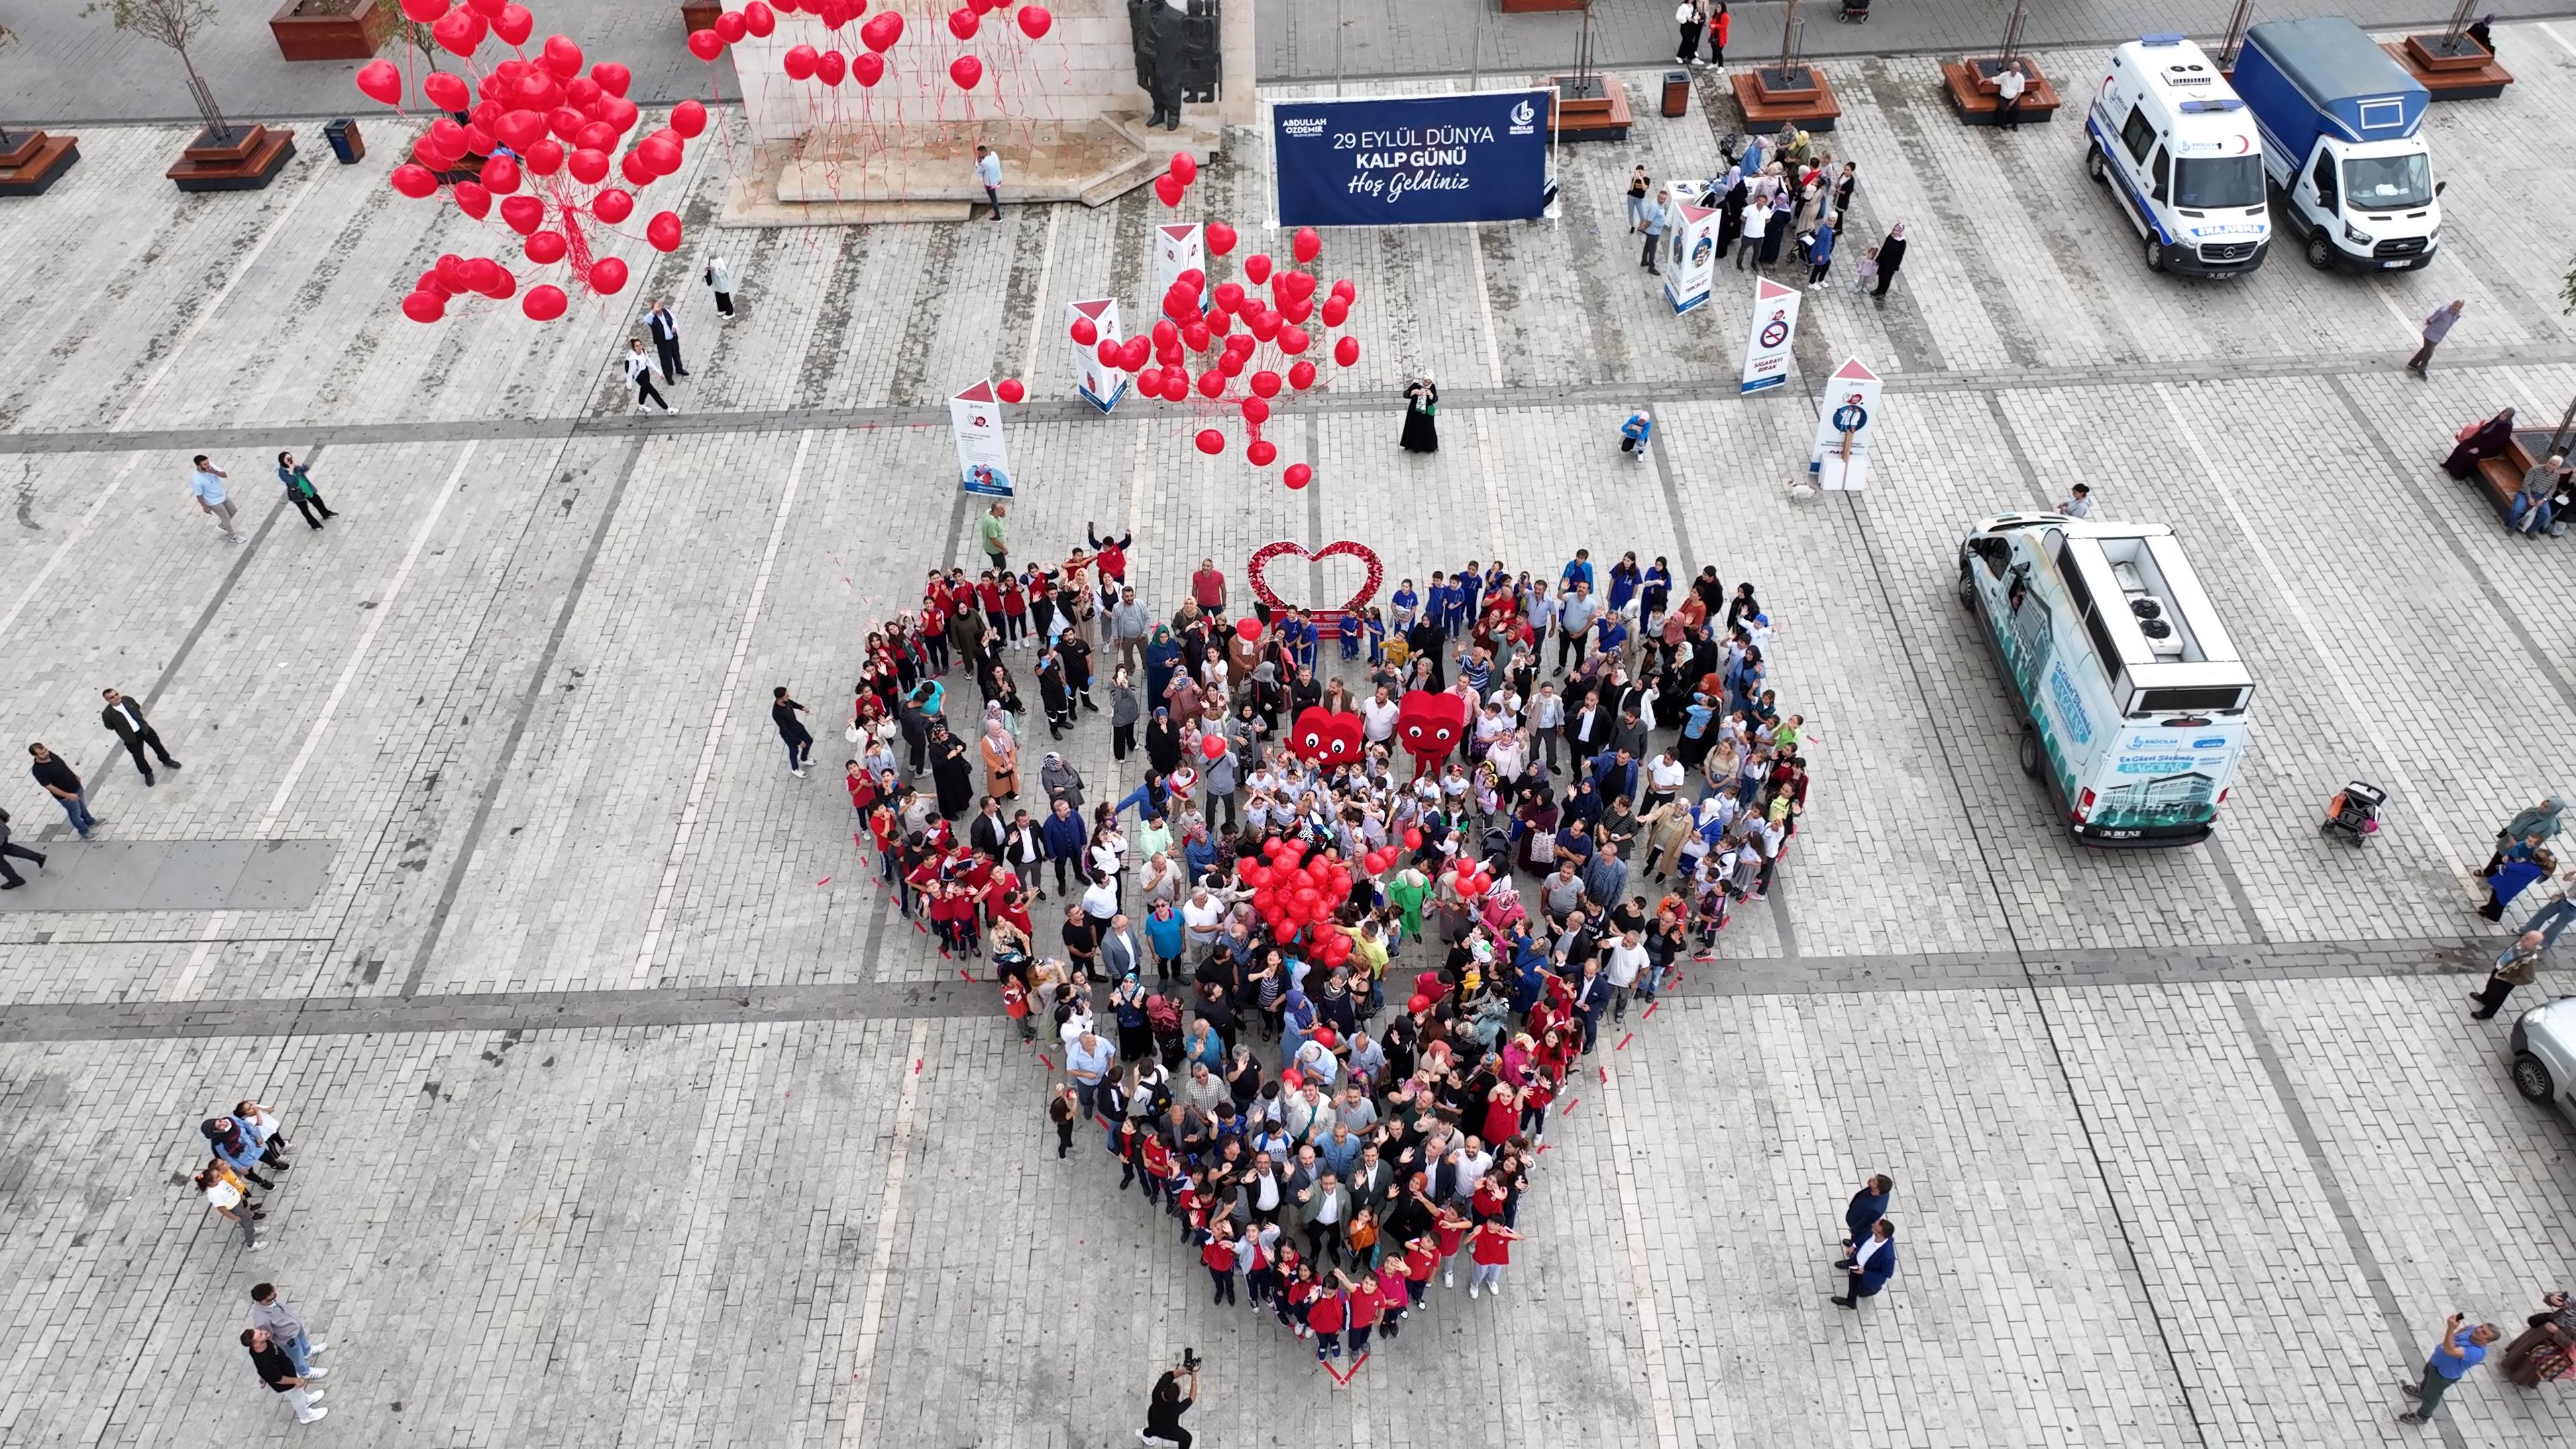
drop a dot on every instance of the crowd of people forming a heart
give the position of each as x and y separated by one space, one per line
1234 928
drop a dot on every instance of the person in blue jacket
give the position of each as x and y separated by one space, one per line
1873 1263
1634 434
1064 839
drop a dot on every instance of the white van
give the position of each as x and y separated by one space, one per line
2182 156
2132 697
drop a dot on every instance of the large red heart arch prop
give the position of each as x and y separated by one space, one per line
1262 557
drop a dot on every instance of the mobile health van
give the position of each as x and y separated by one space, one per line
2342 127
2181 156
2132 697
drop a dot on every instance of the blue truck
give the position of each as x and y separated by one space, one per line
2342 143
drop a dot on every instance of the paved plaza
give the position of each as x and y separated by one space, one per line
630 1113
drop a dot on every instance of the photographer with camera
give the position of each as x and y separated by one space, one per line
1172 1399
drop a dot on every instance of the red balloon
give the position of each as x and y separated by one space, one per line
1185 169
1412 839
445 91
1307 245
706 45
1347 351
1229 295
1211 442
1293 340
1176 384
882 30
729 27
519 130
799 62
1255 411
500 175
543 304
1301 376
1256 268
608 275
1265 383
1297 309
1132 354
759 19
1149 382
588 167
1166 333
414 181
962 23
379 81
544 157
523 213
1298 475
1211 383
562 57
446 136
1248 629
566 123
689 118
514 24
1220 240
636 170
612 77
1009 390
486 8
596 135
1264 325
1085 332
1261 453
482 274
867 67
1196 336
424 306
1336 311
425 12
660 153
830 67
663 231
1167 190
545 248
1230 362
1107 352
452 274
472 199
459 31
1035 21
1211 746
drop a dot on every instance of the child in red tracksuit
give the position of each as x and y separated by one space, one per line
1326 1312
1299 1291
1421 1258
1015 606
1394 1293
1218 1255
1360 1304
1452 1230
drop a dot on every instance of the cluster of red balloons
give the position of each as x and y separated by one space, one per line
878 33
1293 893
562 126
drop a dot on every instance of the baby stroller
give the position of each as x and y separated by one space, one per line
2354 811
1854 11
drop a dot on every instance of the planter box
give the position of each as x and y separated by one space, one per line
2465 72
351 36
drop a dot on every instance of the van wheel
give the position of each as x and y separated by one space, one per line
2320 251
1967 589
2030 752
2155 255
2531 1078
2093 166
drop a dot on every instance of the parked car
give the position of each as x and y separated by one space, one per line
2544 1054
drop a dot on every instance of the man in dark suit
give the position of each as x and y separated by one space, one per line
1867 1206
10 880
666 338
125 717
1873 1263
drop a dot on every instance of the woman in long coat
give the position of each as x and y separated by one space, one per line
2478 443
1001 757
1421 408
949 771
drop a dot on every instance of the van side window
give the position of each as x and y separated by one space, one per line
1994 553
2161 175
2325 179
2138 133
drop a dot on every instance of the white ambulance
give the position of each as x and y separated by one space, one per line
2132 698
2182 156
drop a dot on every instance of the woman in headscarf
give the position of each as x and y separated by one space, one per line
948 768
1001 756
2478 442
1421 409
2539 824
1269 696
1162 743
1124 711
1891 255
1537 820
1184 698
1161 657
2542 1350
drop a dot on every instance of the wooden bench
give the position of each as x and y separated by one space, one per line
1771 99
2470 75
33 160
1970 83
2499 478
247 162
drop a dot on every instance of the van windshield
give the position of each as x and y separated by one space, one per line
2385 183
2218 181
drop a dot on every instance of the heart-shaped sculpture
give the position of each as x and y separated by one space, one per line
1261 560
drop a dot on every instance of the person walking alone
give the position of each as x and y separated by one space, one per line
125 718
639 371
55 773
666 338
2460 1350
10 880
800 742
1653 226
719 279
988 174
207 483
996 547
301 492
1820 253
2436 327
2516 965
